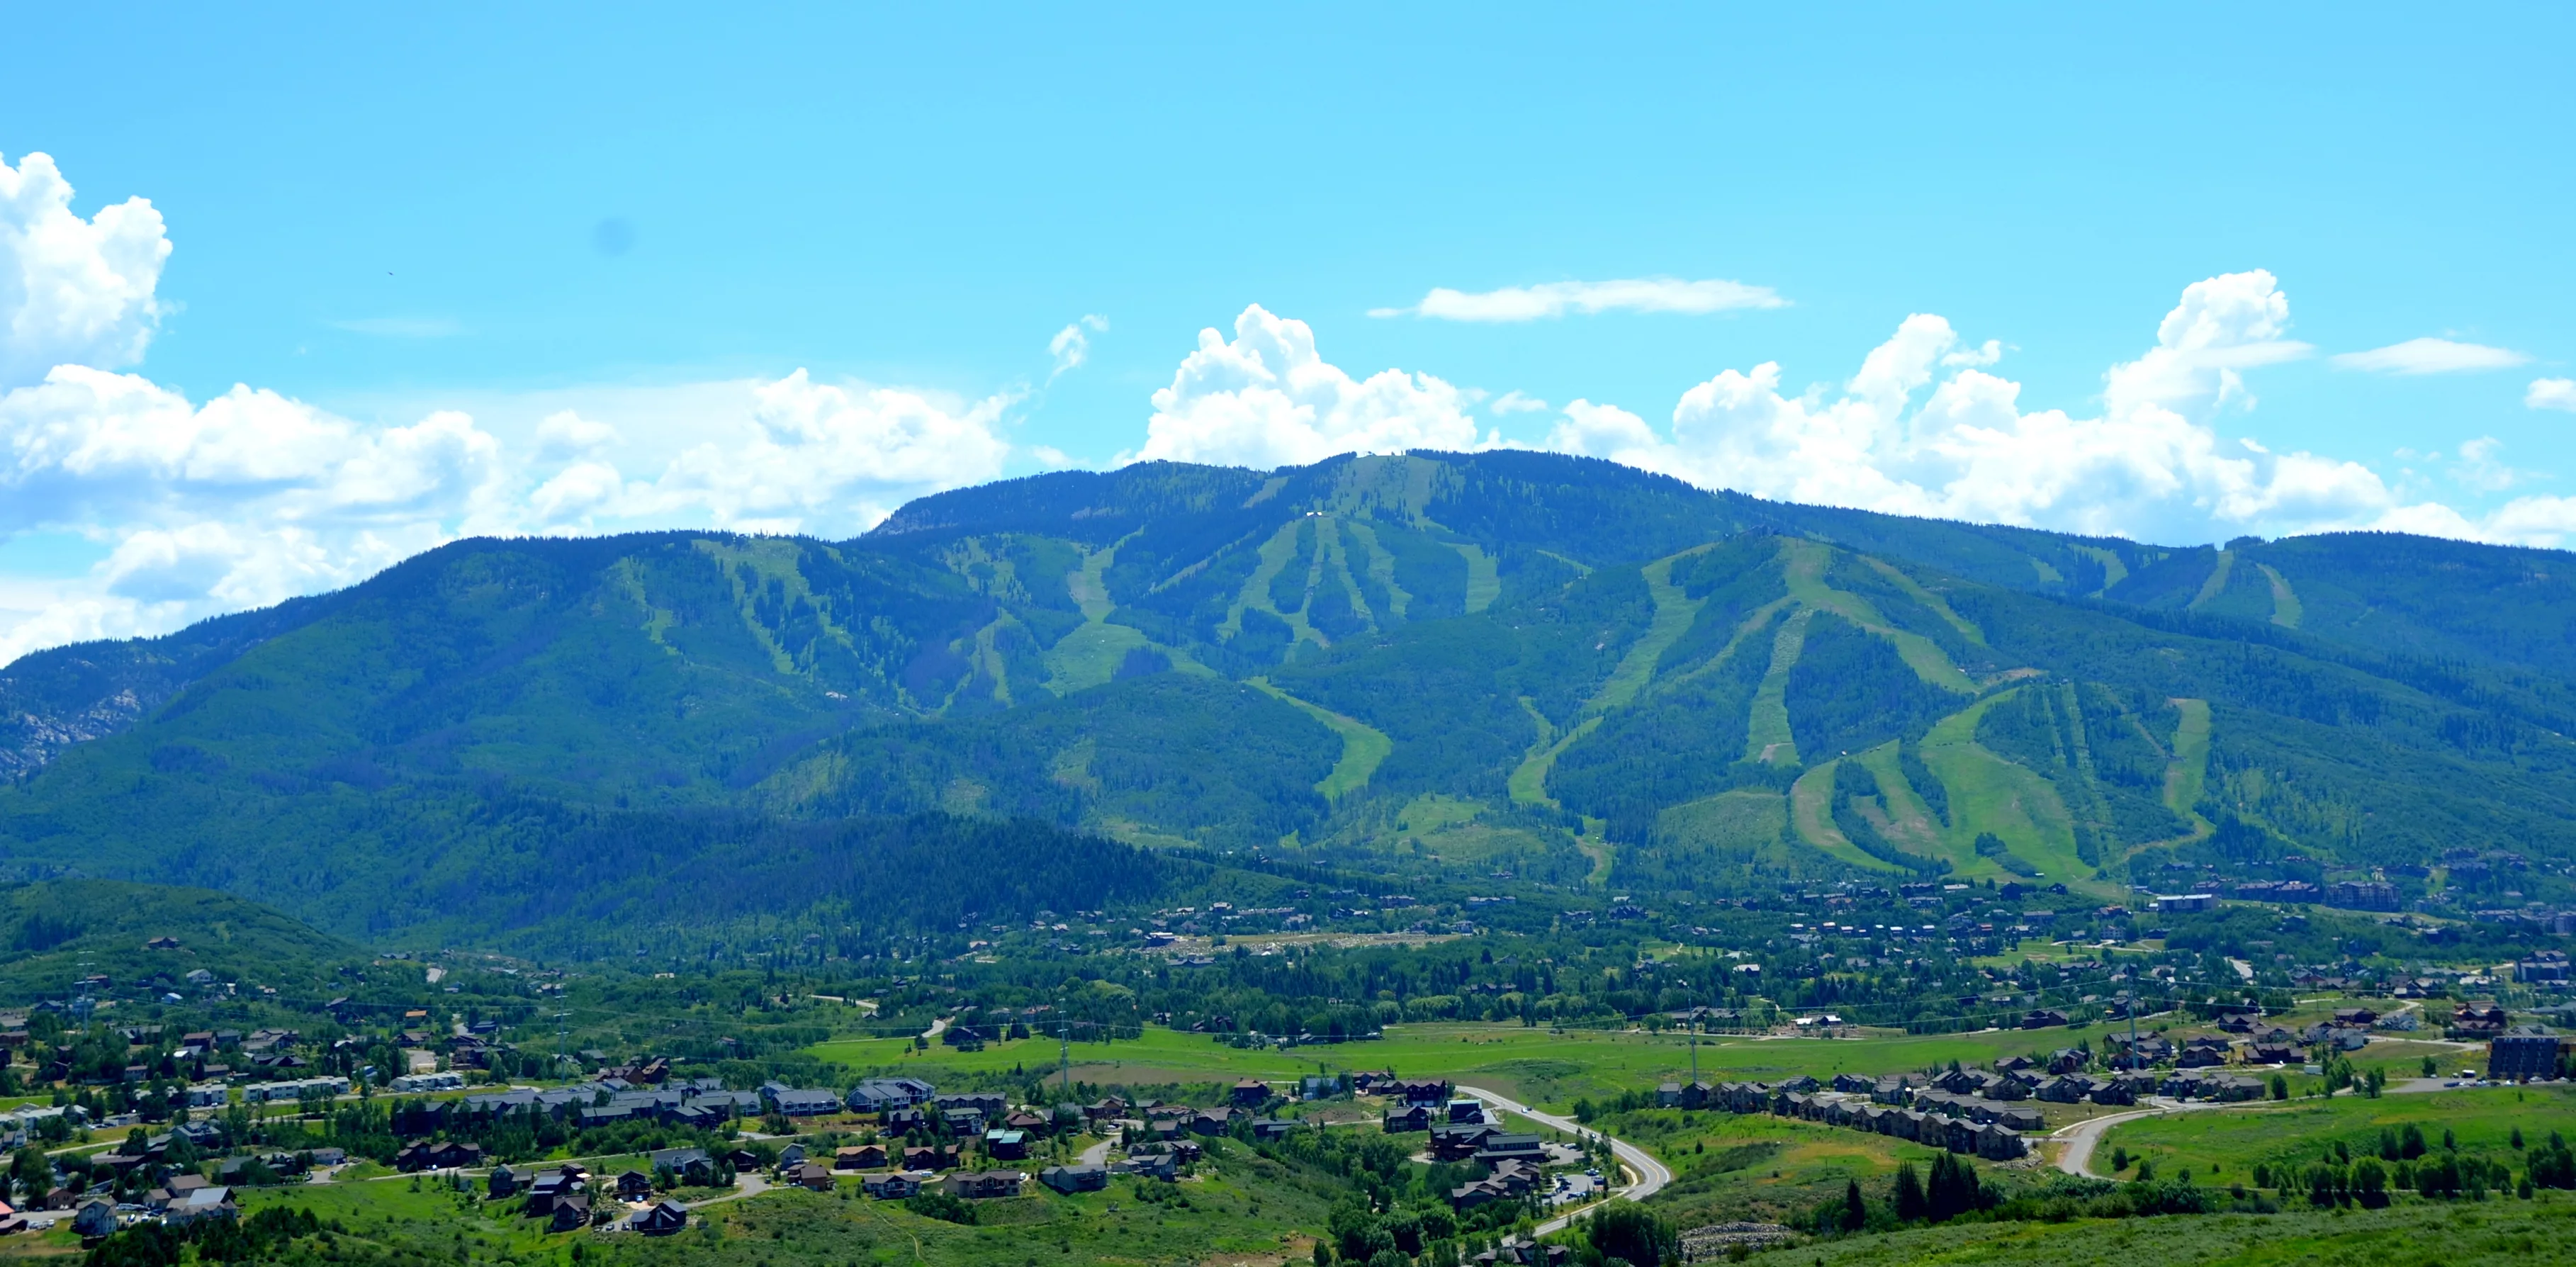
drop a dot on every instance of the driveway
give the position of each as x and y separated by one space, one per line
1650 1175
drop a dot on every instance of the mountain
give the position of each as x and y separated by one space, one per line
1431 668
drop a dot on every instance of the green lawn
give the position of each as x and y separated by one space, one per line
2233 1141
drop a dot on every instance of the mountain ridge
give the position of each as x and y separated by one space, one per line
1439 666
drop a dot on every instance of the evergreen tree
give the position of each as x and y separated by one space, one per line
1910 1203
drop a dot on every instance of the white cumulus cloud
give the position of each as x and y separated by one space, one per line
1266 399
832 460
2431 356
252 497
2551 393
1555 299
72 290
1923 429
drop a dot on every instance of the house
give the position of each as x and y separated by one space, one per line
1006 1145
810 1175
876 1095
689 1165
1411 1118
979 1185
859 1157
551 1189
2479 1020
1073 1179
95 1222
1424 1092
1499 1148
1465 1111
796 1102
1266 1128
201 1203
1163 1166
503 1183
571 1214
663 1218
892 1186
2355 1017
932 1159
2065 1089
634 1185
1251 1093
2042 1018
1515 1252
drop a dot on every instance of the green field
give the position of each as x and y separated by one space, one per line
1990 794
1364 747
1543 1067
2230 1142
2502 1234
1243 1205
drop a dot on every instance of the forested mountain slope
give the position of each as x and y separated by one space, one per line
1455 668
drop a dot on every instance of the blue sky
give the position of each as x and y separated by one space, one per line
416 238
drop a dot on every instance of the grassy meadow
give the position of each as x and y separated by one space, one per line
1547 1068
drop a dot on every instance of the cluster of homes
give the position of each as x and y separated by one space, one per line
1462 1130
564 1196
1958 1121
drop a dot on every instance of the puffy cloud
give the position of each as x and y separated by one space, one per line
1517 403
2430 356
829 459
1268 399
252 497
1555 299
2150 466
72 290
2551 393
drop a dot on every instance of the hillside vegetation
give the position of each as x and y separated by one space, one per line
1596 676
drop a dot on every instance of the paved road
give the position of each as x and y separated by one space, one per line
1097 1154
1651 1175
745 1184
2076 1155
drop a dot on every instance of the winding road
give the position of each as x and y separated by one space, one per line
1651 1175
2075 1156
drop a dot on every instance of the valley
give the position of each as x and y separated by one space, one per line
1107 803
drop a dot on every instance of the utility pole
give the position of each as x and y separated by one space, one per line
1064 1057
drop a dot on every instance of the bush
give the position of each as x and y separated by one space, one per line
941 1206
1633 1234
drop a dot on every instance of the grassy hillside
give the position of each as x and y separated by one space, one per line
58 931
